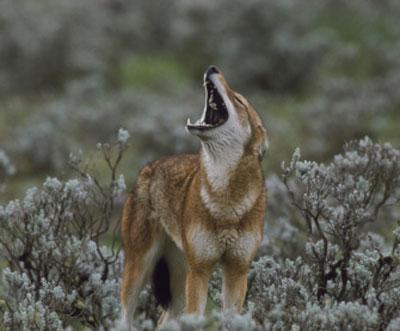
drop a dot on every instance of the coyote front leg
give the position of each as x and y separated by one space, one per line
197 288
234 286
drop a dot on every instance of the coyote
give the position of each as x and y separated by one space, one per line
187 213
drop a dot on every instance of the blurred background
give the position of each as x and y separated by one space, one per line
73 72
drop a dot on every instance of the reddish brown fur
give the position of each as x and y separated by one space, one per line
165 210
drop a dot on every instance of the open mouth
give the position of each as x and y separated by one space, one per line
215 113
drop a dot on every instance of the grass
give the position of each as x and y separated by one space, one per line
152 72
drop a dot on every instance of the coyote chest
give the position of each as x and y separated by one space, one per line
226 208
229 242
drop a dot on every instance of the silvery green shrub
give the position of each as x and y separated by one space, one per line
44 140
46 43
344 277
276 36
7 168
57 269
347 109
79 47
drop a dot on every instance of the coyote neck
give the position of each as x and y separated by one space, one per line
231 182
220 162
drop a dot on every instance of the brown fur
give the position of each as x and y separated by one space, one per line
165 215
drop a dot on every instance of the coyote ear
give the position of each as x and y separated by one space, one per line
260 145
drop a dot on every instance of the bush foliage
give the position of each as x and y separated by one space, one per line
57 268
347 277
340 276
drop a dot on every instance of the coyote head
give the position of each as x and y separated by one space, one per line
228 120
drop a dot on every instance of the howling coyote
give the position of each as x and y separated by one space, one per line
187 213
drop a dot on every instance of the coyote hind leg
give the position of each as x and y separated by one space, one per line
135 276
143 241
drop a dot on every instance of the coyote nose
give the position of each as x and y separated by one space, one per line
212 70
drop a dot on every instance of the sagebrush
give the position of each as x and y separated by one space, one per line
322 267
